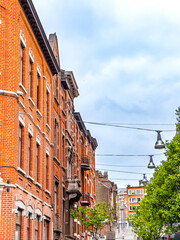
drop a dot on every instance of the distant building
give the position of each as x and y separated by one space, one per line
127 200
106 191
134 195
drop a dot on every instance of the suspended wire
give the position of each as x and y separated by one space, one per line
119 165
121 126
110 170
134 179
126 155
145 124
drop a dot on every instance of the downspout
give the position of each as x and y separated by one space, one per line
2 184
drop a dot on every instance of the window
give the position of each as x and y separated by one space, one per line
47 106
29 226
37 227
47 171
30 77
46 229
135 191
91 158
87 186
22 64
18 224
132 208
63 149
91 185
87 149
69 168
132 200
56 87
20 144
63 209
63 104
139 191
69 120
56 140
29 154
37 162
56 197
38 89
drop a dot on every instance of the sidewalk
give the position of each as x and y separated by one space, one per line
127 234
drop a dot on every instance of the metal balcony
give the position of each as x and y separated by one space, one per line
85 165
85 199
74 189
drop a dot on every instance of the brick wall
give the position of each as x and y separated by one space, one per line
26 187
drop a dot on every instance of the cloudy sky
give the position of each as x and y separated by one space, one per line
125 56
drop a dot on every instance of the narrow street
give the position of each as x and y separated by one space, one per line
126 235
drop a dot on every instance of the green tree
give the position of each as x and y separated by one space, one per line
93 218
159 211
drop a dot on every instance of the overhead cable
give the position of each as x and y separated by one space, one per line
124 179
126 155
119 165
121 126
110 170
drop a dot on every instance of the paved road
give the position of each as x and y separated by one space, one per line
126 235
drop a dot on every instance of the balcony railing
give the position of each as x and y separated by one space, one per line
85 199
85 165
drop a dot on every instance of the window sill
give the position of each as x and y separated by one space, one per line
38 184
56 100
21 171
22 105
39 113
47 125
23 88
47 139
39 127
63 168
30 178
55 159
63 112
31 101
48 192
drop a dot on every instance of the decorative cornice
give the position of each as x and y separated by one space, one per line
35 23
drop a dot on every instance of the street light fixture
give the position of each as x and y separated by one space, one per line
159 143
144 180
151 164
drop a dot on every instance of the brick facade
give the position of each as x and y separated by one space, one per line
106 191
47 156
134 196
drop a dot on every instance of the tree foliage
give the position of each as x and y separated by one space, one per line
159 211
93 218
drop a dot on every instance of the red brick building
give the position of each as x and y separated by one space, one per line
47 157
26 91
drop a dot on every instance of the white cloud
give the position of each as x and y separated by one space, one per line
127 67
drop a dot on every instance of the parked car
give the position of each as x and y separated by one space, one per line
175 236
165 237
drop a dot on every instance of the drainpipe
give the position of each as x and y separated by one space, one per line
2 185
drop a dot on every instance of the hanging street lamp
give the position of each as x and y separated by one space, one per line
144 180
159 143
151 164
